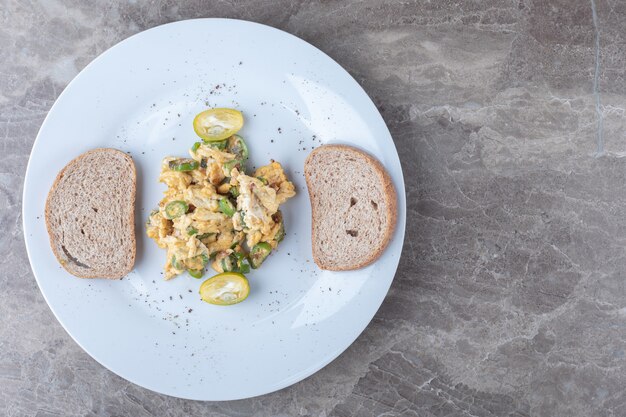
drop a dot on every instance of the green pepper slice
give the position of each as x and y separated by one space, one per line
259 253
221 145
227 207
237 146
175 209
242 265
280 234
234 163
176 264
196 273
234 191
191 230
235 262
228 263
183 165
195 147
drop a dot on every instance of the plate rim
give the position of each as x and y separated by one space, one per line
399 232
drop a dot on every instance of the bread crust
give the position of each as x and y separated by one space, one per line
391 205
48 214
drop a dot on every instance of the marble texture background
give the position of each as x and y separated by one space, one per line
510 299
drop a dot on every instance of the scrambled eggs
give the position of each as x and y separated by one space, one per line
213 212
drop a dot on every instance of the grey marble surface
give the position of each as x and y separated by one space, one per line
510 298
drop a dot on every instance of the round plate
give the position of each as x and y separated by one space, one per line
141 96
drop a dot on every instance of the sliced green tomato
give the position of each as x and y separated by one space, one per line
259 252
183 165
226 207
175 209
196 273
195 147
237 146
217 124
225 289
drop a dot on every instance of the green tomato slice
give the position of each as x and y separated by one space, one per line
225 289
217 124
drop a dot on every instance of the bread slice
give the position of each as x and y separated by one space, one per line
90 215
353 204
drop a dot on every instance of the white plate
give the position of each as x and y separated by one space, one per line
141 96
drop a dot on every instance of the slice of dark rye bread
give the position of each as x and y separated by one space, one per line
353 205
90 215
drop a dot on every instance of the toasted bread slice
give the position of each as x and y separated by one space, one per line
90 215
353 204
